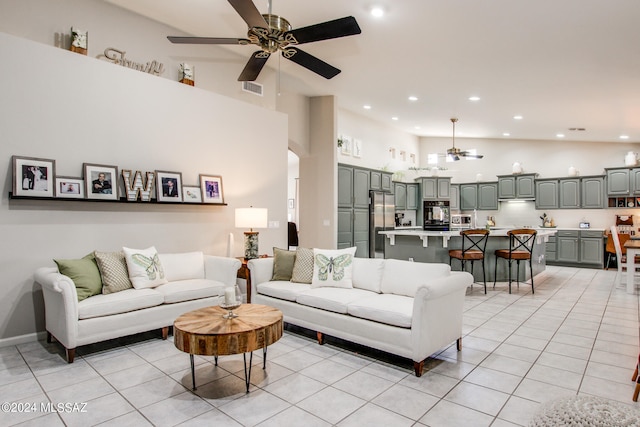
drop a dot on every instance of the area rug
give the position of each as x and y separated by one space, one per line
586 411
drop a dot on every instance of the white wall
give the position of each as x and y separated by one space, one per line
71 108
377 140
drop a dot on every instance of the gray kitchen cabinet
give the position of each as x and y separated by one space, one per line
584 248
567 246
546 194
569 193
361 188
345 186
592 192
468 197
487 196
480 196
454 200
400 192
361 232
635 181
436 188
618 182
516 186
345 228
380 181
386 181
413 198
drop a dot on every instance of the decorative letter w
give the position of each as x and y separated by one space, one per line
136 188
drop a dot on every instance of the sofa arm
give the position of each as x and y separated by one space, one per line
261 270
437 313
60 305
222 269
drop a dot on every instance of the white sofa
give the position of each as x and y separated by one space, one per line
194 281
404 308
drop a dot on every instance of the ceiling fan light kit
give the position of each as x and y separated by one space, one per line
273 33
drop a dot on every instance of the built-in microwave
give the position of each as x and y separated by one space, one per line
436 215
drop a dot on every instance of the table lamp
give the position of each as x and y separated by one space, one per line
251 218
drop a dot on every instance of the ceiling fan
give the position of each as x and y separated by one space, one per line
273 33
455 153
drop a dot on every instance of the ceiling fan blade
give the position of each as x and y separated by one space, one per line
254 66
454 157
206 40
310 62
342 27
248 11
473 156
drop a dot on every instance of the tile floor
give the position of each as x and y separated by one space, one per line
577 335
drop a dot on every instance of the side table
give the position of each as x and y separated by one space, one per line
244 273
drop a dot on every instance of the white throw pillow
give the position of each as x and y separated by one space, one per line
145 269
333 268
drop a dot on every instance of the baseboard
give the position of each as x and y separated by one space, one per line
23 339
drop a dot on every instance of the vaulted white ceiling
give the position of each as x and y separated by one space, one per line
560 64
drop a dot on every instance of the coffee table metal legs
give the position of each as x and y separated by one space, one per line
247 369
193 372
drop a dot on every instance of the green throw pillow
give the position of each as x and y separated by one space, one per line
283 264
84 273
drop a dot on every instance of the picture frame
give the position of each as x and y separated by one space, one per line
345 149
211 187
357 148
33 176
191 194
68 187
100 181
169 186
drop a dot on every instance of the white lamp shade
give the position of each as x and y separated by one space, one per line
251 218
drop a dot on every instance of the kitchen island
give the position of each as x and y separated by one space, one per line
433 246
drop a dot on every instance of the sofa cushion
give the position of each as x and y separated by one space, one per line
367 273
113 269
395 310
283 261
183 266
282 290
333 267
145 268
332 299
119 302
186 290
84 273
405 277
303 266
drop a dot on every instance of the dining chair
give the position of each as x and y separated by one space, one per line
521 242
474 244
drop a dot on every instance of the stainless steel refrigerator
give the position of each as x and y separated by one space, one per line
382 209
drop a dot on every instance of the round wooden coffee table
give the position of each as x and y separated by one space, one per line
205 332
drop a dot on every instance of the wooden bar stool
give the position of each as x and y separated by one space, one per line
637 379
474 243
521 243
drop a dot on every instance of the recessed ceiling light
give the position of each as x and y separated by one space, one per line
560 135
517 117
413 98
624 136
416 127
394 118
474 98
377 11
367 107
506 134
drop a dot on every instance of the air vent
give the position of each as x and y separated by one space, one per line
254 88
578 129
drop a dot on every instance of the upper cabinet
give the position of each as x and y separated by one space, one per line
618 182
480 196
345 186
517 187
381 181
436 188
454 200
413 196
400 192
570 193
623 187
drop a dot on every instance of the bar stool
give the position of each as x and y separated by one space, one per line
474 243
521 243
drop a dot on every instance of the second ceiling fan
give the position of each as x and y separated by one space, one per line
455 153
273 33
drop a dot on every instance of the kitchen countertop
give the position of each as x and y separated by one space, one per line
543 233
